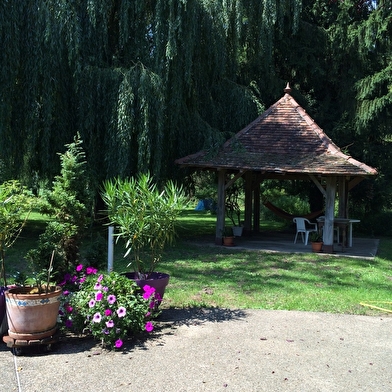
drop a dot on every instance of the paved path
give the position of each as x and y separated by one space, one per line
220 350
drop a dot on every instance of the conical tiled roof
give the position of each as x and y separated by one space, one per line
284 140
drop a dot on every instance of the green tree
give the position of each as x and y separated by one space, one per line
69 204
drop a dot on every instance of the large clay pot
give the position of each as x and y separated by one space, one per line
158 280
32 316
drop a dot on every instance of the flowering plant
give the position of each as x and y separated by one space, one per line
109 306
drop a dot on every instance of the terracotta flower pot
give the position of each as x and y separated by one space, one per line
317 246
32 316
228 241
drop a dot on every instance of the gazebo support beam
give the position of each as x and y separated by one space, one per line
329 215
220 216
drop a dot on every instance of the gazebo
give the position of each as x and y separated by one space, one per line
284 143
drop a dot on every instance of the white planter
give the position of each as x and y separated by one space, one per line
237 231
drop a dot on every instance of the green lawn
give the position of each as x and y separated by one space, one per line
232 278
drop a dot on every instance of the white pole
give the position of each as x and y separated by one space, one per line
110 249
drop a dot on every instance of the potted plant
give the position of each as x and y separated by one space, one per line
15 207
228 237
316 241
32 310
144 216
108 306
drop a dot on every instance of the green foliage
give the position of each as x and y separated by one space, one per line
69 203
112 314
144 216
16 204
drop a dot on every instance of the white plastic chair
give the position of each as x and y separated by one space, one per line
304 226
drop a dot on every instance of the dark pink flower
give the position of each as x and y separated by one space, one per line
108 312
79 267
118 343
98 296
149 326
148 291
89 270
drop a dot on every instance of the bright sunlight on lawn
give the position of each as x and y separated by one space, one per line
232 278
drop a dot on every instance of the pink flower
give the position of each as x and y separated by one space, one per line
111 299
98 296
109 324
100 277
121 311
98 286
97 317
82 280
79 267
118 343
65 292
91 303
91 271
69 309
149 326
148 291
108 312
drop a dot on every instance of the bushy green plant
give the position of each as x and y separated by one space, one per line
16 203
109 306
144 216
315 236
69 203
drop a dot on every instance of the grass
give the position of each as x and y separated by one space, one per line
207 276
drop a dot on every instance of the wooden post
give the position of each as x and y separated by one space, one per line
329 215
343 198
248 203
220 215
256 206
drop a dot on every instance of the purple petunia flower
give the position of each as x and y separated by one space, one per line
91 303
108 312
111 299
121 311
68 323
82 280
69 308
97 317
118 343
110 324
148 291
65 292
149 326
98 296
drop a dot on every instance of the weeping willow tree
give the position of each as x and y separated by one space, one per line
142 81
